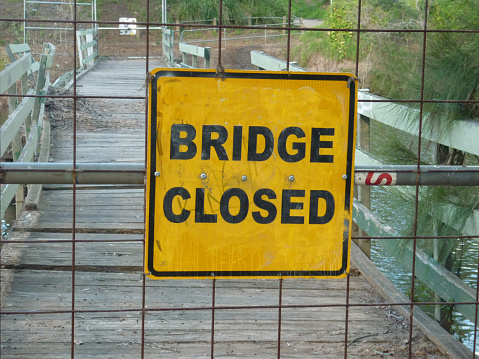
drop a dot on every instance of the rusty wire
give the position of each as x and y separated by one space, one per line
143 282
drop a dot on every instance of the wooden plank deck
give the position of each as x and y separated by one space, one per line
108 288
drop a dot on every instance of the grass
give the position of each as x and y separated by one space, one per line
310 9
3 61
234 11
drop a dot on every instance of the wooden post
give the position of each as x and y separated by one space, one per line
16 147
12 101
41 79
207 57
284 24
24 84
12 105
89 50
80 51
172 46
178 29
184 58
364 192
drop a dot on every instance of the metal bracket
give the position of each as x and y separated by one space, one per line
220 72
351 79
148 80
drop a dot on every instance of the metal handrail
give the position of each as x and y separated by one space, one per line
134 173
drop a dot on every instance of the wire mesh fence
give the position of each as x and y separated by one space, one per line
72 270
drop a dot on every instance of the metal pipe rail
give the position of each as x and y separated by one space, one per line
134 173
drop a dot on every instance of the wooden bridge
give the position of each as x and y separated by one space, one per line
72 268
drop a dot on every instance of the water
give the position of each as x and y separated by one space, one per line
396 212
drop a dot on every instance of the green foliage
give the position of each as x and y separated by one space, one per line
452 73
455 14
393 147
312 42
422 293
310 9
341 16
234 11
453 205
341 45
264 7
3 61
395 68
451 69
389 13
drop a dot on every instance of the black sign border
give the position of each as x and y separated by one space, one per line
348 79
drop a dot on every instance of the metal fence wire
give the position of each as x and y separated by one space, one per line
73 282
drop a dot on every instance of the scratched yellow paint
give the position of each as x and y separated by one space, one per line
247 249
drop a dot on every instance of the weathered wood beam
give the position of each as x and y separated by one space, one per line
88 44
14 72
14 122
195 52
13 49
35 191
462 135
8 191
86 32
270 63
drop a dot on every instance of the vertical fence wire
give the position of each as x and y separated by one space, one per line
147 84
219 66
280 307
74 189
416 204
213 306
346 320
346 325
288 41
476 316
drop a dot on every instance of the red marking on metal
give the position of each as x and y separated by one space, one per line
378 181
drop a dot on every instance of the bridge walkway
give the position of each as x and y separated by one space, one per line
87 296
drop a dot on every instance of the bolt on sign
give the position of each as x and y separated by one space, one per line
249 174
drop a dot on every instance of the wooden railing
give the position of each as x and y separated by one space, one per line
87 43
270 63
168 43
194 52
463 136
20 134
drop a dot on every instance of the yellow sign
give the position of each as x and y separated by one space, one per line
249 174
